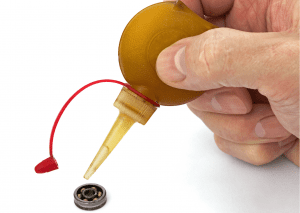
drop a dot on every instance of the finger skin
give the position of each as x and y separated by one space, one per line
216 59
253 16
227 57
256 154
216 7
210 7
242 128
250 16
225 100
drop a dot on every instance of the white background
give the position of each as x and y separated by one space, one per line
48 50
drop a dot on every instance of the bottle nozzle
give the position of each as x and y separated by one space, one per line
119 129
98 160
133 109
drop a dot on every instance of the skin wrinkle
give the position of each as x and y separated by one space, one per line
225 55
275 49
205 58
270 49
296 24
195 60
253 10
265 10
226 61
265 53
290 110
242 6
226 66
280 95
193 63
192 60
281 14
268 18
210 54
283 96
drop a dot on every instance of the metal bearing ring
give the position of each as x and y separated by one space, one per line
90 196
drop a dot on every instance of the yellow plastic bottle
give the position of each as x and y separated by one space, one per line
145 36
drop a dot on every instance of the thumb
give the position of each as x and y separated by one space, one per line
225 57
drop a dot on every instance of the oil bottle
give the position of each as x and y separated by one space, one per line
145 36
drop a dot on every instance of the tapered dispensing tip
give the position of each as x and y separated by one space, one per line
98 160
119 129
133 109
46 165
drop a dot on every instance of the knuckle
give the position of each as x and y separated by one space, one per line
212 52
282 55
258 155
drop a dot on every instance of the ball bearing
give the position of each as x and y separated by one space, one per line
90 196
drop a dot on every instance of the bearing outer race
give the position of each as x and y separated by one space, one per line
90 205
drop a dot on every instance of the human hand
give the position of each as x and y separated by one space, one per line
250 78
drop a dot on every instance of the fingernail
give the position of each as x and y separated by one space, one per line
259 130
287 141
180 61
170 64
228 102
270 127
215 104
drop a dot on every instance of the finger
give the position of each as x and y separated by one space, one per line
258 126
216 7
256 154
243 15
221 8
223 57
293 153
195 6
208 7
227 57
225 100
